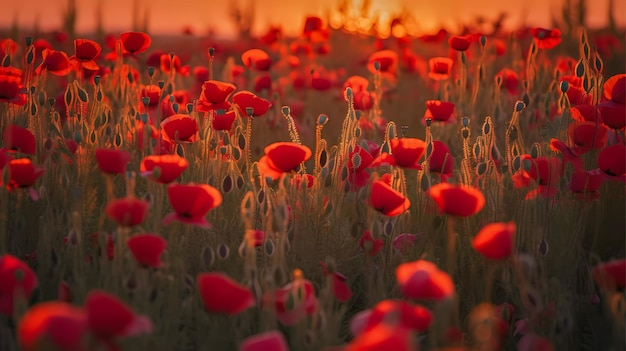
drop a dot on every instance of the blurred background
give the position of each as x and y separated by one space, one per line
199 17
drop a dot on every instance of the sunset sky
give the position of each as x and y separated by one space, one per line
170 16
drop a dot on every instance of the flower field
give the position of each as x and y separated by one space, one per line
328 191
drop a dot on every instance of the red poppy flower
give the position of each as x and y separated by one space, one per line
585 113
147 249
56 324
152 92
214 95
495 240
321 81
191 203
363 100
312 23
59 36
267 341
256 59
11 87
180 128
169 167
615 89
8 47
613 114
404 241
170 62
416 318
457 200
610 275
249 102
55 62
340 287
586 136
112 161
534 342
272 35
40 45
547 170
223 120
585 184
357 83
387 200
384 337
423 280
282 157
128 211
510 80
293 301
370 245
485 315
262 82
107 316
407 152
440 68
546 38
135 42
221 294
19 139
23 174
556 145
440 111
86 51
441 160
18 281
387 61
612 160
577 95
460 42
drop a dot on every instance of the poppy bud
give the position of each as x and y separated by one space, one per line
207 256
580 69
322 119
30 57
347 94
599 64
465 132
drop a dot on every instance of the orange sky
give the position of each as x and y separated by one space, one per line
170 16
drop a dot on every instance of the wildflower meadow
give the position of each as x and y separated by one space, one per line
339 189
